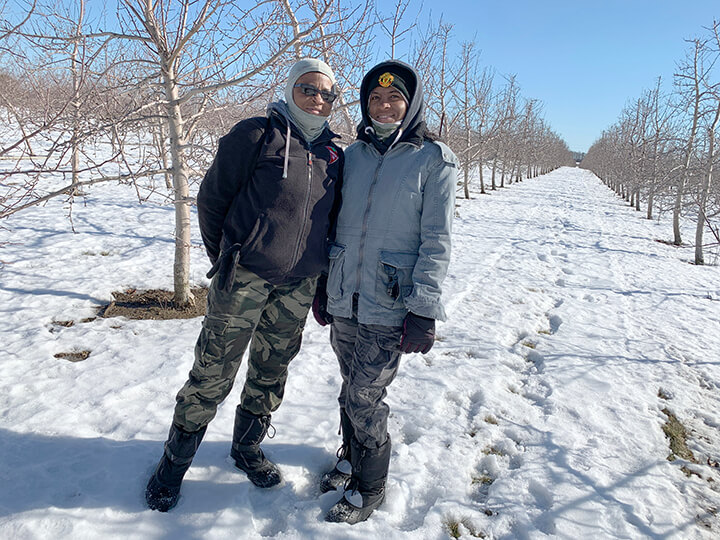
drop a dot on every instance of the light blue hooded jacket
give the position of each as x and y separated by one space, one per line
392 244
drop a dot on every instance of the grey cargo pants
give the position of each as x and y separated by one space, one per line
369 358
273 316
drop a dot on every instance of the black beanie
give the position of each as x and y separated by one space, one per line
387 79
392 73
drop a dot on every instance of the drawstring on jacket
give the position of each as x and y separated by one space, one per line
397 135
287 151
397 138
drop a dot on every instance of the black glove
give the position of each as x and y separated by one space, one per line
224 266
319 305
418 334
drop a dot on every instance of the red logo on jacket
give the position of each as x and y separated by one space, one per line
333 155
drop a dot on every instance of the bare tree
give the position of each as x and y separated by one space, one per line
690 79
76 69
707 177
505 112
57 93
483 97
658 138
432 60
712 88
391 25
464 97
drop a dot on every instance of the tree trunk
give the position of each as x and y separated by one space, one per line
677 238
466 182
705 190
162 149
493 186
466 167
180 175
75 67
480 171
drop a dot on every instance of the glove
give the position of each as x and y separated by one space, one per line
224 266
418 334
319 305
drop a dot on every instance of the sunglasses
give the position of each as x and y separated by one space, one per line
310 90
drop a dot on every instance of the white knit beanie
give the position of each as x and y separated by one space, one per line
310 124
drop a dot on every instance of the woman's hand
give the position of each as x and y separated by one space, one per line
319 305
418 334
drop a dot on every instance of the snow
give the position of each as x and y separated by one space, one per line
537 414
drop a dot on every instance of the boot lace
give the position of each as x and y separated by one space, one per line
351 484
265 421
342 452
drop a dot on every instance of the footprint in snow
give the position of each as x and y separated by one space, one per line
555 323
410 433
544 500
542 495
537 360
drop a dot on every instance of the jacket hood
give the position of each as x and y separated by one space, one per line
413 125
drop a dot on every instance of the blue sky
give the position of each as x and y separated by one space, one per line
585 59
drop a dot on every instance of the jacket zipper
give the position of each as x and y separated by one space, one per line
363 232
308 194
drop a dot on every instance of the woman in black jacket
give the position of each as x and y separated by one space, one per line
265 208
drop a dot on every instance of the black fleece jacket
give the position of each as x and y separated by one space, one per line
275 227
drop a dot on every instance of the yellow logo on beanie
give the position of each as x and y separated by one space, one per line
386 79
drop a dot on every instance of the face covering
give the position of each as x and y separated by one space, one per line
311 125
383 131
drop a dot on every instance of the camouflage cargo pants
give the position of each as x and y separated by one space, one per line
273 317
369 359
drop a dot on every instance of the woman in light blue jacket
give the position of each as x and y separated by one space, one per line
390 256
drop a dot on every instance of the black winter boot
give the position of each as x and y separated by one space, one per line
366 489
163 488
340 474
249 431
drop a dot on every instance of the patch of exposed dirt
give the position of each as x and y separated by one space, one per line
73 356
669 243
677 435
154 304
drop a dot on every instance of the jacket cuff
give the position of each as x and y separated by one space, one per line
424 308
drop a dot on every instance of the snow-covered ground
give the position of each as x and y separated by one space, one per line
538 413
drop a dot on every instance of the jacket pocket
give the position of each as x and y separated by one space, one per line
335 271
394 278
251 240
